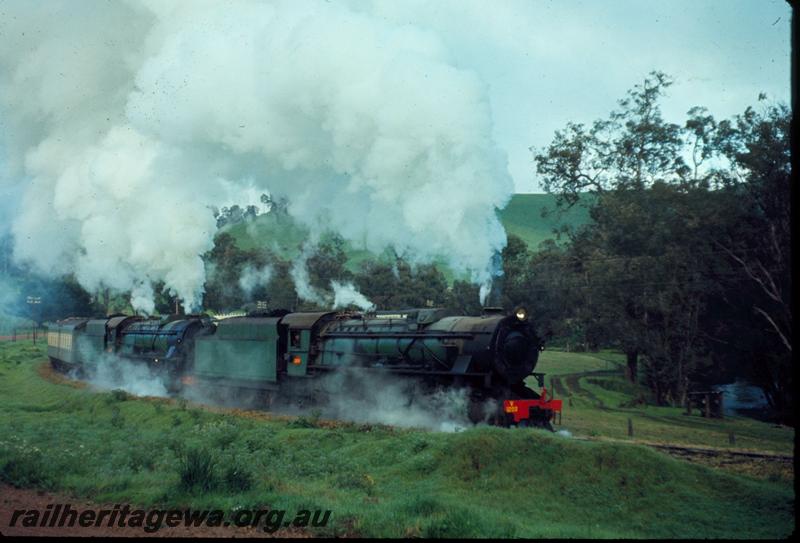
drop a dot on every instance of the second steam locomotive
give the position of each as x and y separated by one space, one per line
266 355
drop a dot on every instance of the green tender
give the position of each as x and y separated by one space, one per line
241 349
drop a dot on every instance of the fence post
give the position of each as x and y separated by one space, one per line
630 427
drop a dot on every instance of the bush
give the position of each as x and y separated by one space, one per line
458 522
117 418
196 470
355 481
119 395
423 506
418 445
303 422
142 458
25 471
238 478
222 434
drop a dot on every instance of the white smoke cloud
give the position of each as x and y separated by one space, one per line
302 282
345 294
117 373
107 371
142 298
253 277
125 121
362 396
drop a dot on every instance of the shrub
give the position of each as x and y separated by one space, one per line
238 478
117 418
25 471
142 458
196 470
119 395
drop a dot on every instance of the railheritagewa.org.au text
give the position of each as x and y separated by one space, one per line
121 516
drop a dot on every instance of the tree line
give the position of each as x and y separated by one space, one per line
686 264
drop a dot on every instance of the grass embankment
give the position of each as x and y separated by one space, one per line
598 401
378 481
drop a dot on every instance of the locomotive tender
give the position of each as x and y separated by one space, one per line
490 355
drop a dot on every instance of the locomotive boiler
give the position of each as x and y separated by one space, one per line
164 345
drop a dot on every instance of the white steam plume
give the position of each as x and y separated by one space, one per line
253 277
302 282
124 121
107 371
142 298
345 294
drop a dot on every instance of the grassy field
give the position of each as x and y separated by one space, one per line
378 481
599 402
554 362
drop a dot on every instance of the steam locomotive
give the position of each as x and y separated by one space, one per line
489 356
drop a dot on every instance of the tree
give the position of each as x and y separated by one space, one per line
672 246
328 262
633 148
753 234
463 298
617 160
516 269
401 285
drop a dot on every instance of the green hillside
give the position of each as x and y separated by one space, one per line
523 217
532 217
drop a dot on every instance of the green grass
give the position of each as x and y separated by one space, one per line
598 402
378 481
554 362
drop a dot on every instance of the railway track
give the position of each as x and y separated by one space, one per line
696 450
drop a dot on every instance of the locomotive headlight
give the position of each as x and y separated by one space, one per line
521 313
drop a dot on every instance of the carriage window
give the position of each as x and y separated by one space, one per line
295 338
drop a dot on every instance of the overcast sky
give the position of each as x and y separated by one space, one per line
550 62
